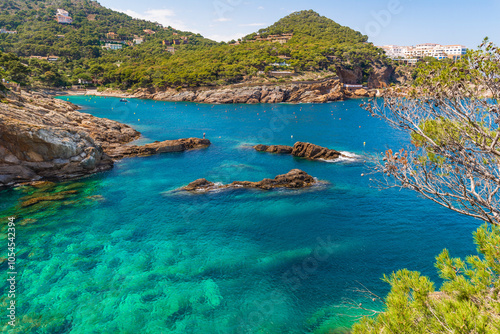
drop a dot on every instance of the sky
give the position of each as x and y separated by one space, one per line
399 22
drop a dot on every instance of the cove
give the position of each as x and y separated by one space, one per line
126 254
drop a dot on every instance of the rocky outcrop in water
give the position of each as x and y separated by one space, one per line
314 152
158 147
293 179
302 150
42 138
317 92
279 149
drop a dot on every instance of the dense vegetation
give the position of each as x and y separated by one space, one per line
319 45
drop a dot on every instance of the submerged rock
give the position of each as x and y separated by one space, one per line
302 150
32 200
293 179
200 184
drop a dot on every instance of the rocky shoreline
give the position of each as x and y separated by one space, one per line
42 138
328 90
301 150
294 179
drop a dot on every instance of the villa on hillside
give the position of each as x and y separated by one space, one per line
149 31
111 46
63 17
112 35
282 39
3 31
138 40
49 58
170 49
411 54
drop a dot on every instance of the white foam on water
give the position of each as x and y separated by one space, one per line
345 157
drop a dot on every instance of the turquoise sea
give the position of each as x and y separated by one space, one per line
124 253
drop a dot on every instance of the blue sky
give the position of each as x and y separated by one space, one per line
401 22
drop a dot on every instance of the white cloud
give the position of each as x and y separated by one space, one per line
166 17
225 38
260 8
253 25
222 19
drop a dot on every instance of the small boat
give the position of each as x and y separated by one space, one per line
123 100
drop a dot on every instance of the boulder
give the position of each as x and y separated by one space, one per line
361 92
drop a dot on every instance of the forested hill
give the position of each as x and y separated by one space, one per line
153 56
39 34
311 24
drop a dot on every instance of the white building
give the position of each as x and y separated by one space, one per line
62 16
3 31
419 51
111 46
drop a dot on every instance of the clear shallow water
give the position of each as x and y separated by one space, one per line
126 254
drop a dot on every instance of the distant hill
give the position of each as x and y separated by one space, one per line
153 56
311 24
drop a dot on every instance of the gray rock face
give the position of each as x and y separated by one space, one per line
43 138
320 92
380 76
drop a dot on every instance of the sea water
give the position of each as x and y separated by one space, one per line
124 252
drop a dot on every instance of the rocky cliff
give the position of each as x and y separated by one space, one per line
42 138
318 92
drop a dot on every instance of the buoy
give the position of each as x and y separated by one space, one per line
292 136
138 120
364 143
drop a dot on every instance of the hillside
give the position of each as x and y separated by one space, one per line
311 24
39 34
154 56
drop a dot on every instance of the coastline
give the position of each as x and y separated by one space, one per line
321 91
47 139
